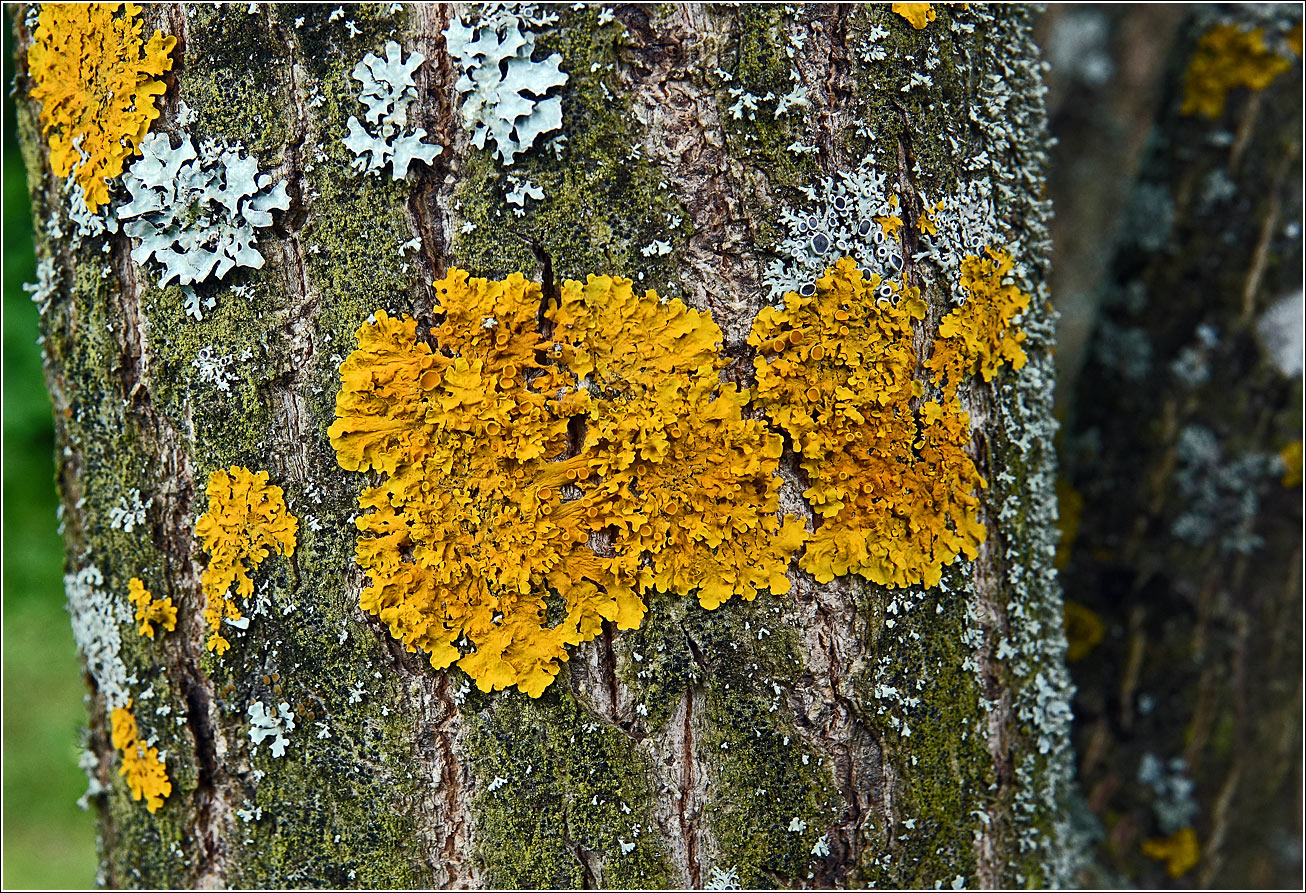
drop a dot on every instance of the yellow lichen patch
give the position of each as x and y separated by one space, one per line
96 81
1070 513
891 224
684 485
926 222
979 337
247 520
470 527
889 478
1180 851
150 610
1084 630
1228 57
499 536
146 775
918 14
1291 458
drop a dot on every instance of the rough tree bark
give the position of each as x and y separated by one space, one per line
841 734
1187 563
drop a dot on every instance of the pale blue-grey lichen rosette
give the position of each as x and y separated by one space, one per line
195 212
503 88
388 90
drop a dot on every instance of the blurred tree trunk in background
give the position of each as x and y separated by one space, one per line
1106 64
840 734
1179 447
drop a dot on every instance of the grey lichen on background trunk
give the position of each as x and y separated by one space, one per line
1185 560
840 734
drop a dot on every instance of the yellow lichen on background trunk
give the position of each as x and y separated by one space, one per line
247 519
96 81
1290 457
489 508
146 775
1084 630
1180 851
150 610
889 478
1229 57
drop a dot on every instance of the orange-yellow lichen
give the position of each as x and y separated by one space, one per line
1291 459
469 526
490 505
1228 57
684 485
247 519
978 337
150 610
1084 630
1180 851
889 478
146 775
891 224
926 221
96 81
1070 513
918 14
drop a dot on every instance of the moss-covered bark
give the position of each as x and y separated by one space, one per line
1187 560
840 734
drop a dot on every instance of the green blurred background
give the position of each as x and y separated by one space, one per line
48 840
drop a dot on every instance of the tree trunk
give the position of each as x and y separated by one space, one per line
844 733
1187 563
1106 65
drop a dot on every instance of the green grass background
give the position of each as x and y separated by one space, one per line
48 840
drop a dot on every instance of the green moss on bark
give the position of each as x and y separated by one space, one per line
233 76
919 691
571 793
931 120
763 66
604 204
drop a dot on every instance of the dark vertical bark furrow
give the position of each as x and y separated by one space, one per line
427 207
687 809
164 449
